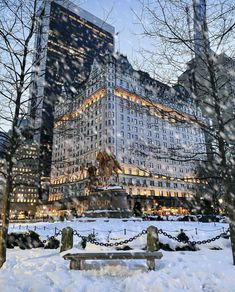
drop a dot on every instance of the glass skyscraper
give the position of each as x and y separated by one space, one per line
68 38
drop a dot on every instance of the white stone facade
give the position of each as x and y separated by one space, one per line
135 117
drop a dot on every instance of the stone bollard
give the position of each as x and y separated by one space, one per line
152 244
67 239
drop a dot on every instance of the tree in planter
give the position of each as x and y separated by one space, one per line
17 27
209 76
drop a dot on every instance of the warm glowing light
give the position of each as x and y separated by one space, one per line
87 103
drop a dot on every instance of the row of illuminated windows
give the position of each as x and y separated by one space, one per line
24 200
141 161
137 191
32 190
172 116
152 183
29 156
25 194
92 28
28 152
160 193
69 49
27 148
22 169
55 51
130 168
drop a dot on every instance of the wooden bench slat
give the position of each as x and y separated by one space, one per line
113 255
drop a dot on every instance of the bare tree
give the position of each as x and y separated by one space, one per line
18 21
204 43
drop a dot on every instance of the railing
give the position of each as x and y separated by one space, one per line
124 231
57 232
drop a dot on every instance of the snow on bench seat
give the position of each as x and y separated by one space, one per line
77 260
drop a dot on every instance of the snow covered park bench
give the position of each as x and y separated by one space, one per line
77 260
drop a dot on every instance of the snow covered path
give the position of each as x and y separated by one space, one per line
45 270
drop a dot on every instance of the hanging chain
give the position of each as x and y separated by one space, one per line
160 231
53 236
143 232
107 244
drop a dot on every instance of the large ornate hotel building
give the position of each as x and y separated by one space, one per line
150 127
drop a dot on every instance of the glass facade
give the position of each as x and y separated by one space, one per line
72 42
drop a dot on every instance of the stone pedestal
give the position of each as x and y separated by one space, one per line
106 202
67 239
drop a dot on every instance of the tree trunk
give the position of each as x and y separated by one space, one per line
5 219
3 236
225 166
231 213
230 207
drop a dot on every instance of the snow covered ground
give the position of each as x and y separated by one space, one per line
45 270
